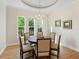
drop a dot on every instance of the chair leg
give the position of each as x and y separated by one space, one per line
36 57
58 55
21 55
33 54
49 57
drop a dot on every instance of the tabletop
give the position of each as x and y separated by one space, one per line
32 39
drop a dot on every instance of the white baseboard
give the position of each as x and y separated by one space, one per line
2 50
77 50
7 46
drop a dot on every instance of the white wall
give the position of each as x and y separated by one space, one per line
70 37
2 26
12 14
11 26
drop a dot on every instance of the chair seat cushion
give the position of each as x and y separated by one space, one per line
27 48
53 52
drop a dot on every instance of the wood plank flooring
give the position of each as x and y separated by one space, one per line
12 52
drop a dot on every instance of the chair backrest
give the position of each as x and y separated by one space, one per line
20 43
43 45
26 36
52 35
59 41
20 33
39 34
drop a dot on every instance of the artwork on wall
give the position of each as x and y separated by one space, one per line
67 24
58 23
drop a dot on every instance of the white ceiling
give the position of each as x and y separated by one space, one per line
60 4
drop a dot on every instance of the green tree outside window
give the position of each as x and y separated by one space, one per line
21 24
31 26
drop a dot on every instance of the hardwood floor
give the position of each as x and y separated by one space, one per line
12 52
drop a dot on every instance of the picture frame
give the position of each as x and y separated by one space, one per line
67 24
58 23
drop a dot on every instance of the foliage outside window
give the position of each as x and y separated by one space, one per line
31 26
21 24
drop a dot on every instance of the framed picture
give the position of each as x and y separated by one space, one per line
67 24
58 23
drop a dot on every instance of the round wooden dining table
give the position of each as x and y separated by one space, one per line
32 39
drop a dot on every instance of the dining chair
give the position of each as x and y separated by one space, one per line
21 33
52 36
26 36
25 49
43 48
39 34
56 47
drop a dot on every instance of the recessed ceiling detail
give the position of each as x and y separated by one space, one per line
39 3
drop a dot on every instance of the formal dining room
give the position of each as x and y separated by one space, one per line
39 29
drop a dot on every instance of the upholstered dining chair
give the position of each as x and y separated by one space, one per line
26 36
52 36
43 48
56 47
24 49
39 34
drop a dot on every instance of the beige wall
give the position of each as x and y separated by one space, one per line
12 14
70 37
2 25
